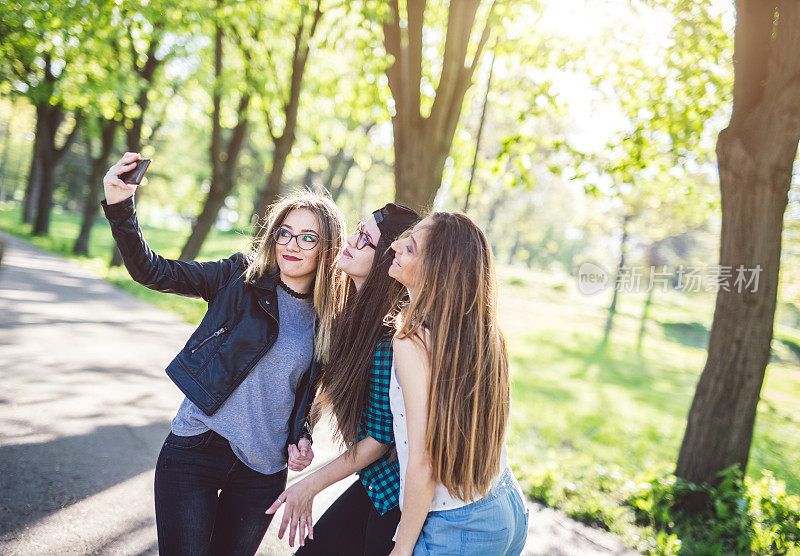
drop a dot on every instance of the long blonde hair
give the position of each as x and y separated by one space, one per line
329 283
468 393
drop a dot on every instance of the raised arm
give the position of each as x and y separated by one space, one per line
189 278
411 363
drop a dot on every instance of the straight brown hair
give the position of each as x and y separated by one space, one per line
344 384
468 392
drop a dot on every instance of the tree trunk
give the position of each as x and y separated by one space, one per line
422 144
418 168
283 143
334 162
224 161
337 190
222 185
755 155
34 177
645 317
612 309
274 182
653 260
4 190
92 203
44 202
723 412
50 157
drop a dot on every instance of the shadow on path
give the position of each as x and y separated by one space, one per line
39 479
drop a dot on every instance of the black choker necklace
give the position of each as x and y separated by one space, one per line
293 293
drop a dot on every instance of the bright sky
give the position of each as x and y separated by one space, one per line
596 120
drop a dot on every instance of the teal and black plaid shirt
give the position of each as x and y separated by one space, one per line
381 479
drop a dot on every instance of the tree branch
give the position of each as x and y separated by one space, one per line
454 79
270 129
317 17
59 152
412 68
275 80
152 63
238 136
394 45
482 42
751 52
134 53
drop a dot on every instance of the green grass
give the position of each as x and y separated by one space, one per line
64 227
588 423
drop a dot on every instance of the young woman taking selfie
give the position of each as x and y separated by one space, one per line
355 388
247 371
450 397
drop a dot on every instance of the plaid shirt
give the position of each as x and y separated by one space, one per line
381 479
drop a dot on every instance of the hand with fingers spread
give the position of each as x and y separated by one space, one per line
299 501
115 189
300 456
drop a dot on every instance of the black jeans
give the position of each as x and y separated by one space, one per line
352 526
207 501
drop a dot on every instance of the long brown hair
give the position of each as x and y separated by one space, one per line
344 384
468 393
329 285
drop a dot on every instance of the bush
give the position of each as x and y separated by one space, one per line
735 517
667 516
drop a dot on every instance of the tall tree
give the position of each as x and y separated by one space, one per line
422 142
106 128
282 141
39 43
144 30
224 154
755 157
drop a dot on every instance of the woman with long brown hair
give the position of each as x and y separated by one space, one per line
355 388
247 371
450 397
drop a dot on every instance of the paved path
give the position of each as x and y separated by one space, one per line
85 406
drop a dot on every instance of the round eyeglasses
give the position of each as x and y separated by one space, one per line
363 237
304 240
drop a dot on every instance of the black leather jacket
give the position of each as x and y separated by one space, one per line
239 327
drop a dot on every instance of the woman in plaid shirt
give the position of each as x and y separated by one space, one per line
355 387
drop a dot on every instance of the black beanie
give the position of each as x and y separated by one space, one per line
393 220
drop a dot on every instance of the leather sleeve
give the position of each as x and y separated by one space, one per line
188 278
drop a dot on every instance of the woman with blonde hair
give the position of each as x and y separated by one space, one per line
450 397
247 372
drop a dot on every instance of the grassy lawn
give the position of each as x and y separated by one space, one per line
588 423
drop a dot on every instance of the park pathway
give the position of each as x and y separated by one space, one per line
85 406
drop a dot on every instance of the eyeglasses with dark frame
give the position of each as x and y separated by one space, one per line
304 240
363 237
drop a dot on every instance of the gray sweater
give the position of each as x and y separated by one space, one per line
255 418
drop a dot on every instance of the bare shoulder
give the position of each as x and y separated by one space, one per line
411 346
411 357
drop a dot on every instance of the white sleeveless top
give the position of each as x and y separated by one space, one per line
442 500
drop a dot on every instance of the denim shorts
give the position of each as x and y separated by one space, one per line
496 525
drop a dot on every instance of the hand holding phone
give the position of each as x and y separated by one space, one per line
122 179
136 175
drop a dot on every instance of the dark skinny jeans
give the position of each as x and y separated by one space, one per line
207 501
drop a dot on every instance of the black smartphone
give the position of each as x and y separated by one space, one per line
135 176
